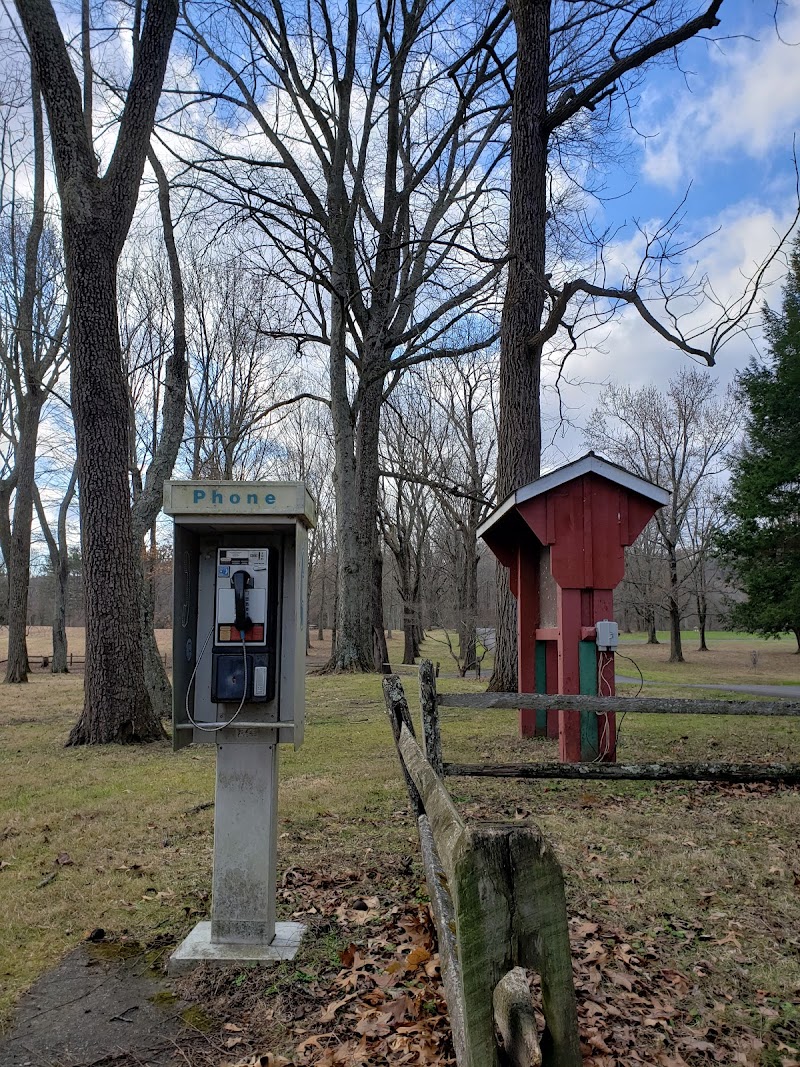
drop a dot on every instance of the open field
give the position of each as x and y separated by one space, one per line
701 885
730 659
711 635
733 659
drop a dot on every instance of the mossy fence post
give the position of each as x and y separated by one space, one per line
497 894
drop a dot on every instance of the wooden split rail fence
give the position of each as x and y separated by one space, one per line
497 895
788 773
497 891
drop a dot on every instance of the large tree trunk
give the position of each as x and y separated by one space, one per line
155 675
652 636
519 444
353 627
356 513
468 608
504 674
148 505
356 481
20 555
702 615
380 652
117 707
355 520
95 218
675 646
354 608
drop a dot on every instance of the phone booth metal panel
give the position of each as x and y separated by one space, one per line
563 540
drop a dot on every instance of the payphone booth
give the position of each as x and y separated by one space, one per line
563 539
239 643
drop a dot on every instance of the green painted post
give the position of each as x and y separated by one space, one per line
587 660
541 686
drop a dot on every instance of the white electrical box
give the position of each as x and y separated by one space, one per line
607 637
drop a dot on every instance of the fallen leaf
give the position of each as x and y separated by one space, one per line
417 956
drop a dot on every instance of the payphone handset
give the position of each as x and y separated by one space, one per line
242 589
243 650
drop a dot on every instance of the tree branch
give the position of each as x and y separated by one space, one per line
571 102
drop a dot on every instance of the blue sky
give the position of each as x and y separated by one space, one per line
723 129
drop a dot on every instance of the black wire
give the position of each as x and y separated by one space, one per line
636 665
641 687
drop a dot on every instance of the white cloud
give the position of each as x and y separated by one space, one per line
747 100
631 353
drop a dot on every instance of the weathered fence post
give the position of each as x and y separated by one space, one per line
399 716
511 912
499 890
431 737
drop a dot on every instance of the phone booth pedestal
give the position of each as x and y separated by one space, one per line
563 539
239 642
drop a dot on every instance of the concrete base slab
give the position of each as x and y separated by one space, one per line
199 948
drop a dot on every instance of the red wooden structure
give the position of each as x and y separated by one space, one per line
563 540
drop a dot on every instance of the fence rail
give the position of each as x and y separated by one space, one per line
497 891
786 773
45 660
72 660
602 705
498 899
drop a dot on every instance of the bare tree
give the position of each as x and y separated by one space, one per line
96 213
240 377
644 589
575 59
442 452
159 371
463 393
33 352
678 439
374 178
303 452
703 522
406 504
59 552
7 473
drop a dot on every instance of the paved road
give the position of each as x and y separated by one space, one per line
486 637
753 690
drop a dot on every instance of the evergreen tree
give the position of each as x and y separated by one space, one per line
761 542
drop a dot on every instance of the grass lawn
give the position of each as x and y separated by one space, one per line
734 659
702 881
714 635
